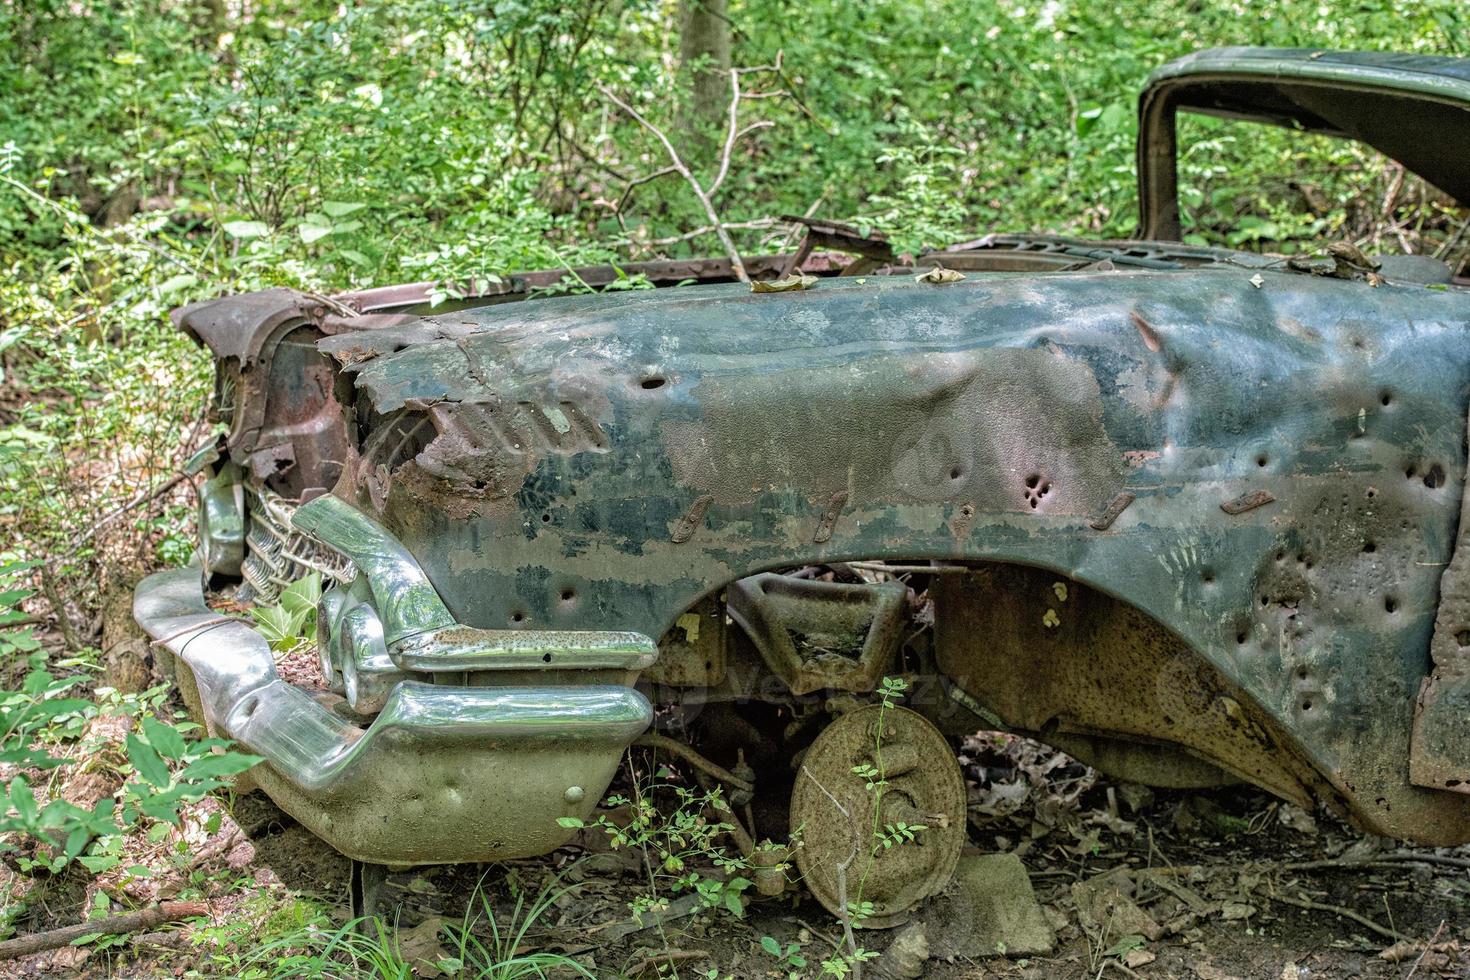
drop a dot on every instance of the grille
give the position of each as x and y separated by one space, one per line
277 555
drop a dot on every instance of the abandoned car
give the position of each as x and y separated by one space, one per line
1190 514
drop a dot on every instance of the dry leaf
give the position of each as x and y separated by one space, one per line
783 285
420 947
939 276
1135 958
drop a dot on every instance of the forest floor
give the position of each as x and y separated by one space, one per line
1208 884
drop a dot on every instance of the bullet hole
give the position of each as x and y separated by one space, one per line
1371 493
1463 638
1207 576
518 617
651 383
545 518
1301 673
1036 488
1306 705
1369 548
567 595
546 658
1434 479
1281 556
1385 399
1240 638
1390 604
1409 473
955 473
1261 460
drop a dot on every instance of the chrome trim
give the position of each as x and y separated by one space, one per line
403 596
466 648
443 773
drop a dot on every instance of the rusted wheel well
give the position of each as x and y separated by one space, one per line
1039 652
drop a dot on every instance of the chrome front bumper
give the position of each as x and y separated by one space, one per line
441 774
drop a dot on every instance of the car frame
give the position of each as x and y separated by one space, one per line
1193 515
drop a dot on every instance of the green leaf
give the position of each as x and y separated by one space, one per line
98 863
571 823
76 842
176 284
147 762
302 595
733 903
246 229
312 233
164 738
770 946
276 624
340 209
1125 945
219 766
23 799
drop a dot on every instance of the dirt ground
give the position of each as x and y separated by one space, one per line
1208 884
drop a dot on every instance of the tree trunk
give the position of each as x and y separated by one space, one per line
704 59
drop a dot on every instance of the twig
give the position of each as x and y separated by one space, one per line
732 131
676 239
1394 857
215 848
1415 968
668 956
728 243
841 868
1362 920
653 740
878 566
80 542
113 925
52 591
639 182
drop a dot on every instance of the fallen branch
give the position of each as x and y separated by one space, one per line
1362 920
728 243
113 925
1394 857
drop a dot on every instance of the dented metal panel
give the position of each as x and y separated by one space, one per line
1293 452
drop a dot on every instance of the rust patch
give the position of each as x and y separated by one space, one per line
686 525
1139 457
1247 501
1146 331
1439 753
829 517
935 427
1110 513
963 520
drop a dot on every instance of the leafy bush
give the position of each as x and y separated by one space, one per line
46 833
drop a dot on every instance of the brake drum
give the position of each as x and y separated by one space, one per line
839 818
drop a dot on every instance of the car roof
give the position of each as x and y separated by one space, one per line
1413 108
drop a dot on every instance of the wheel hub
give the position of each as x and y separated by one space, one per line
879 807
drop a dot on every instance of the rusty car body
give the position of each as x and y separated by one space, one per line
1193 515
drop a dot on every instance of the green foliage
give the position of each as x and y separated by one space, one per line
40 728
298 939
676 842
293 619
